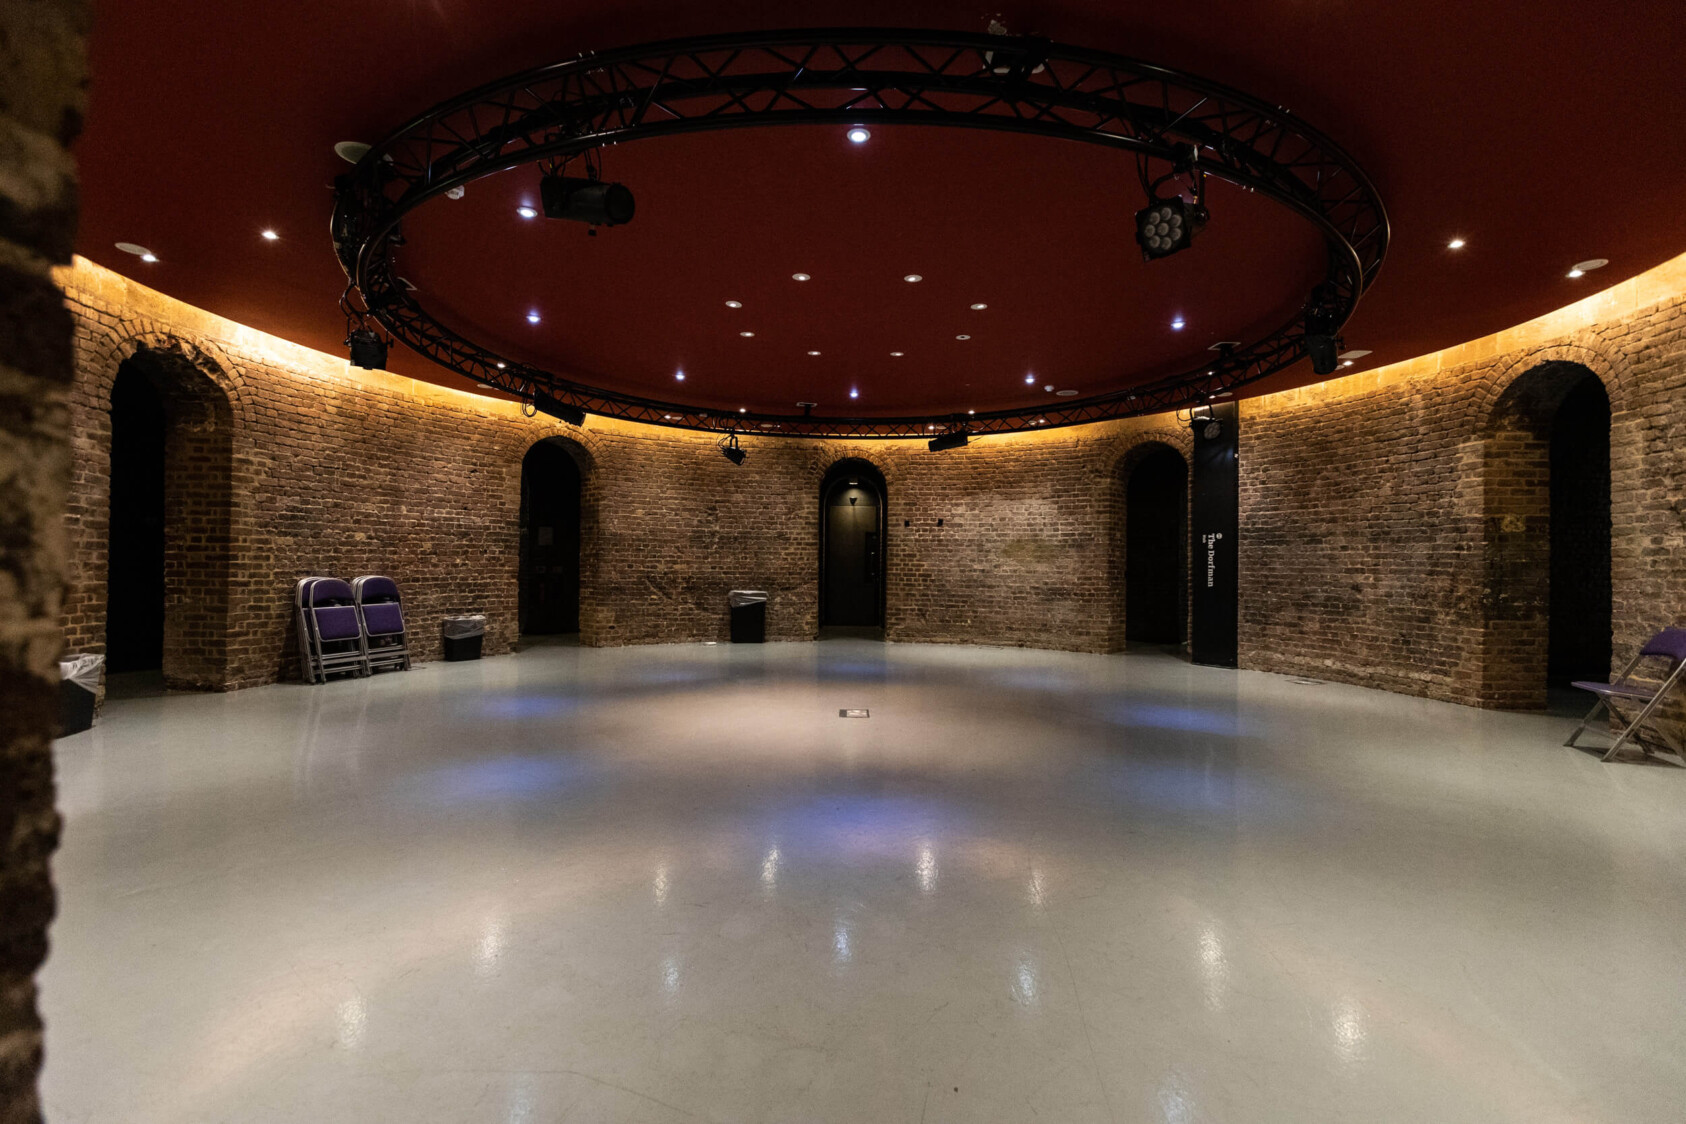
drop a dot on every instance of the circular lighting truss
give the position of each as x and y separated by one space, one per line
1178 127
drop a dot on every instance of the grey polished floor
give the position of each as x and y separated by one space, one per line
670 884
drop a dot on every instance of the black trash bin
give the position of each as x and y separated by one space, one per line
79 684
463 637
749 615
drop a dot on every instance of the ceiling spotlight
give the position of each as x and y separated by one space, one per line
1177 324
945 441
853 393
913 277
979 307
679 376
746 335
556 408
813 353
1049 388
729 449
501 366
485 386
801 277
1591 264
587 200
859 135
533 316
1030 380
351 151
734 304
1455 244
527 211
270 236
897 354
742 410
1167 226
1577 273
962 336
149 256
1065 393
368 350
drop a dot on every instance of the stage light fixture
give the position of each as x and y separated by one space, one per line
586 200
1321 324
556 408
1168 226
944 441
729 449
368 350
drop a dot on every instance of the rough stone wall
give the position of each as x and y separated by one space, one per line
299 465
41 98
1395 527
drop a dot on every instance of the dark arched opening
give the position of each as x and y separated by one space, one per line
550 542
1579 608
1156 549
852 546
134 590
1546 590
170 524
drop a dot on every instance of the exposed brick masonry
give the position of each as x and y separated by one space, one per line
41 97
1393 524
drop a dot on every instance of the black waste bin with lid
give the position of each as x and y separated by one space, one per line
749 615
79 684
463 636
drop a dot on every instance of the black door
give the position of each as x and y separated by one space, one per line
134 611
550 542
854 555
1155 551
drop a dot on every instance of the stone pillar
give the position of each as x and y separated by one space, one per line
41 97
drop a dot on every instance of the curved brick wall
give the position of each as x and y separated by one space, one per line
1393 523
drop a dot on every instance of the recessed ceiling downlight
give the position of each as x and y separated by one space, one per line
962 336
859 134
351 151
911 277
979 307
801 277
139 251
1588 266
1064 393
734 304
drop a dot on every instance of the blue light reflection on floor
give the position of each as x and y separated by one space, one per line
853 824
1188 719
525 705
507 779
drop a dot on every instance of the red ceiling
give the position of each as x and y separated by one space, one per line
1544 132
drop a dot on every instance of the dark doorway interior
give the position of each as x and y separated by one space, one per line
134 612
852 551
550 541
1580 536
1156 550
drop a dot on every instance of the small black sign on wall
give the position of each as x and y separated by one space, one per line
1213 529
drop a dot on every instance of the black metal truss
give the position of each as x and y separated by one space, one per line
871 76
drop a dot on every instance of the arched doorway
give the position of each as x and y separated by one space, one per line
134 590
1546 596
549 584
170 522
852 542
1156 549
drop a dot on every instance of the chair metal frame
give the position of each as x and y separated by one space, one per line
1669 644
394 651
318 662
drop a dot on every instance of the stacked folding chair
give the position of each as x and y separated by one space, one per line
1633 703
330 629
381 610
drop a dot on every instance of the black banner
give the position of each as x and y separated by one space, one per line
1214 527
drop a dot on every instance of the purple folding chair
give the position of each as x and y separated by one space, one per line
330 631
1626 694
382 613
